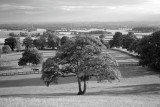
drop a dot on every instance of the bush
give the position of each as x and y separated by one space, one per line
6 49
149 51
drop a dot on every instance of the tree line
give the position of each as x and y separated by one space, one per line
31 55
147 48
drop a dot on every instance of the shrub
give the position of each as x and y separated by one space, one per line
6 49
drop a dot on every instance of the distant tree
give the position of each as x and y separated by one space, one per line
32 56
12 42
111 43
37 43
64 40
82 57
18 46
42 41
145 29
6 49
12 34
149 51
116 39
53 41
27 42
134 46
96 32
23 34
127 40
102 36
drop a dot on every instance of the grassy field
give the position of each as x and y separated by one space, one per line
10 62
139 87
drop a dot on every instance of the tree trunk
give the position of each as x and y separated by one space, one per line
79 86
84 87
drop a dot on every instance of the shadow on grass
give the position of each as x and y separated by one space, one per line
136 71
130 90
40 95
34 82
144 89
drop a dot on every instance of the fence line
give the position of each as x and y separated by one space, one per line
20 73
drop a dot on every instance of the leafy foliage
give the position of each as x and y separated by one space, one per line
42 42
12 34
30 55
64 40
149 50
134 46
53 41
37 43
27 42
12 42
82 57
102 36
116 40
6 49
127 40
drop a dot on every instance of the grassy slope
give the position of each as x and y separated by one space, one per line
140 87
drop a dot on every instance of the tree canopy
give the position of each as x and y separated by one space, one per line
82 57
64 39
32 56
149 51
27 42
12 42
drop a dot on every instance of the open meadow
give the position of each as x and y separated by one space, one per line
139 87
10 62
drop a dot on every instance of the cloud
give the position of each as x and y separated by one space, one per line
32 12
79 10
74 8
20 7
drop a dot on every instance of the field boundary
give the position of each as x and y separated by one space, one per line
116 49
20 73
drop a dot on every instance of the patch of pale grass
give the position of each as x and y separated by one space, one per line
82 101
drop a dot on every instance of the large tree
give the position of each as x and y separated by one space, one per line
12 42
82 57
149 51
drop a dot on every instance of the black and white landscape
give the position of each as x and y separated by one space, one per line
79 53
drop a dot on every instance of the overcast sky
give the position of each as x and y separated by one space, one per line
79 10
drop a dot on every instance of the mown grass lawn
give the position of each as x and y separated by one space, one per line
83 101
139 87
